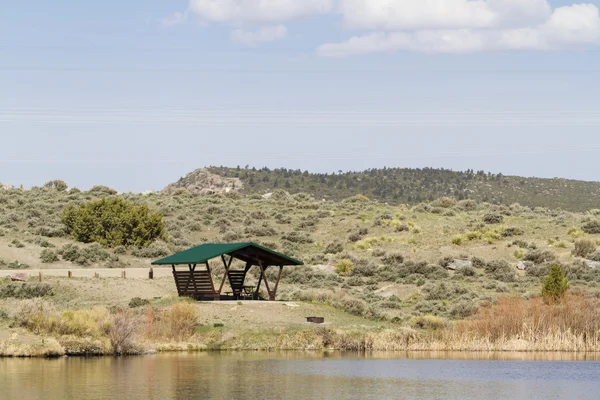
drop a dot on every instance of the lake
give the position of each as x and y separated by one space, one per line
299 375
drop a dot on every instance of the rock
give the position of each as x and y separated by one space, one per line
523 265
456 264
592 264
20 276
267 195
203 182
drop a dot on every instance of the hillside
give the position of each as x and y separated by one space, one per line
416 267
409 186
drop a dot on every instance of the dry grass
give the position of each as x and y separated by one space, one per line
176 323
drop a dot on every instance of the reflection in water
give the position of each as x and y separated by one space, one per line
297 375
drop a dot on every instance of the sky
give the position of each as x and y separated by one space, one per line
135 94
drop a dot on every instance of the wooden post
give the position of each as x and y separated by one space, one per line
227 266
262 272
124 274
40 276
277 283
212 285
96 275
70 274
151 274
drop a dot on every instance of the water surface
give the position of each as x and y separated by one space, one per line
305 375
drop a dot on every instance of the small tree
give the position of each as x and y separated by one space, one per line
113 222
555 284
58 185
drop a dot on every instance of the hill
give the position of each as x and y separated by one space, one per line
405 186
417 267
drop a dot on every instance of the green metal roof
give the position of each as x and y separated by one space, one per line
205 252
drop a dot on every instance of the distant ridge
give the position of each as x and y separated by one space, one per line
404 185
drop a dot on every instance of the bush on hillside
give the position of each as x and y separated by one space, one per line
48 256
58 185
84 255
25 290
113 222
584 247
540 256
344 267
493 218
592 227
500 270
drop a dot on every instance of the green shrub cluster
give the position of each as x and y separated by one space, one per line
112 222
25 290
84 255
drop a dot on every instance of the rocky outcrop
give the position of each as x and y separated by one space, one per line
203 182
458 264
592 264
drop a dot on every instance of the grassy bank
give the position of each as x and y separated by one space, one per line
510 324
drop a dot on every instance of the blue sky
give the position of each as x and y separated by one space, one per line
136 94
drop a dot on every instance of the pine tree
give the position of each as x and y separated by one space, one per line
555 284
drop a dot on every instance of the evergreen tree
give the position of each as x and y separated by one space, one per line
555 284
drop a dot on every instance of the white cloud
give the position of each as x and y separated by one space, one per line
258 10
431 26
262 35
566 27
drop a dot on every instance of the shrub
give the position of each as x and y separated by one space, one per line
458 240
575 233
402 228
17 243
463 309
100 190
334 248
138 302
17 265
500 270
540 256
122 333
509 232
444 202
344 267
595 256
493 218
48 256
58 185
155 250
297 237
120 250
429 322
466 271
84 256
26 290
113 222
592 227
393 258
555 284
583 248
478 262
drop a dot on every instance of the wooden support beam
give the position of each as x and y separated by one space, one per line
277 283
264 276
212 285
227 265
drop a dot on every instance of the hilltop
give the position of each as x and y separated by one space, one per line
401 186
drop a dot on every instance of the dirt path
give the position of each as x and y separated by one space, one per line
131 273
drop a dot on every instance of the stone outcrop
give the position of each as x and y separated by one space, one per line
203 182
